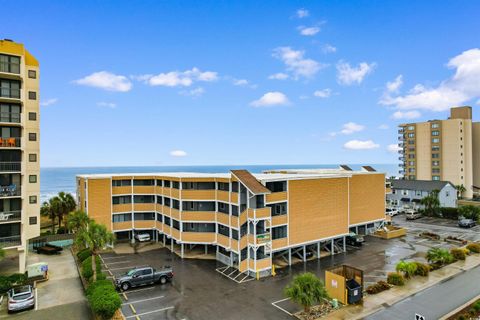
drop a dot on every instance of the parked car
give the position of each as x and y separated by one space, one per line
355 240
20 298
142 276
413 215
466 223
391 212
142 237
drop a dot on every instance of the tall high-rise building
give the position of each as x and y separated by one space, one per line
19 149
447 150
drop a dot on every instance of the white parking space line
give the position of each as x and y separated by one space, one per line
116 257
36 299
278 307
138 290
149 312
120 268
117 262
143 300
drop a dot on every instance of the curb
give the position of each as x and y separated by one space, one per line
451 313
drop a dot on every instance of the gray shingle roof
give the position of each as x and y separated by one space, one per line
419 185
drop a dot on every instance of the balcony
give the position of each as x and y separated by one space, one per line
401 145
401 158
10 142
10 117
10 191
11 93
10 216
10 166
400 131
276 197
12 241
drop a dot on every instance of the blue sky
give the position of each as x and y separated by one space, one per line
243 82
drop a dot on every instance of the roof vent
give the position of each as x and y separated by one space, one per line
9 40
345 167
368 169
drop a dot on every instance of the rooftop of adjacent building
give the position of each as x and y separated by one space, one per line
418 185
8 46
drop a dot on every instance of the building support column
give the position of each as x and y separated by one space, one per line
181 250
22 257
206 249
289 256
356 230
318 250
331 247
304 253
344 244
164 242
171 245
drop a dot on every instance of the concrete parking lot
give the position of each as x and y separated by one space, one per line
199 292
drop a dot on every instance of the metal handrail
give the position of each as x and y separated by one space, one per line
10 93
11 241
10 191
10 142
10 215
10 117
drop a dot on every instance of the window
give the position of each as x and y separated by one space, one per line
277 186
199 185
143 182
404 192
418 193
198 227
159 200
167 220
279 232
223 186
144 216
435 148
234 234
224 230
411 141
121 183
411 135
32 178
223 207
244 254
447 193
436 170
10 89
234 186
411 156
122 217
436 178
32 95
121 200
175 224
32 136
435 163
411 128
435 133
10 64
32 116
435 155
435 125
175 204
159 217
32 74
235 210
144 199
32 199
10 112
411 163
167 201
159 183
166 183
278 209
32 157
198 206
435 140
243 229
32 220
175 185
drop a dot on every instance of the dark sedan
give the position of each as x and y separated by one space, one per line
466 223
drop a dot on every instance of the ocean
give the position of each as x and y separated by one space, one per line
54 180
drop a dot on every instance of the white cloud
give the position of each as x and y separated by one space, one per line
328 48
271 99
197 92
393 148
178 153
240 82
296 63
360 145
383 127
278 76
352 127
107 81
48 102
302 13
308 31
178 78
456 90
324 93
107 104
348 75
394 86
406 115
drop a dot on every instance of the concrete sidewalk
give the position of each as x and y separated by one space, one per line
375 303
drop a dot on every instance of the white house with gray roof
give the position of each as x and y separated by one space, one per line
408 193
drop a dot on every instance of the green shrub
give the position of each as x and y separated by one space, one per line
87 271
101 276
408 268
378 287
449 213
84 254
459 253
422 269
476 305
439 257
104 299
61 230
7 282
474 247
395 278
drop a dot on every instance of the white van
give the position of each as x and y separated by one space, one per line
142 237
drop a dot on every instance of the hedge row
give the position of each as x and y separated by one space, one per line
103 298
7 282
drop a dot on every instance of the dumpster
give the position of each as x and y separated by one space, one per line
354 291
344 283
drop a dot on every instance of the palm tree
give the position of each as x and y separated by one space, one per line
50 209
460 190
408 268
306 289
94 236
431 202
77 221
67 205
439 256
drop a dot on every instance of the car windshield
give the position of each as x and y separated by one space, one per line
131 272
21 296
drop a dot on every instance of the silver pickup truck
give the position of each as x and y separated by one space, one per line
141 276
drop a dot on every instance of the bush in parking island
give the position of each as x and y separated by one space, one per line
378 287
422 269
474 247
459 253
449 213
408 268
396 278
103 298
87 271
84 254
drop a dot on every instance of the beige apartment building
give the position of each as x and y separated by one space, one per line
446 150
19 149
248 221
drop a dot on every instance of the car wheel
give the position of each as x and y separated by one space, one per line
125 286
163 280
